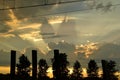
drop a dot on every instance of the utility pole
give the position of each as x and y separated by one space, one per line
34 65
12 65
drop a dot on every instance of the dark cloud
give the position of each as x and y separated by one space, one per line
107 51
71 7
38 11
27 12
4 28
31 14
55 36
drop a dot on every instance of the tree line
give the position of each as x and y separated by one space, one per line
60 69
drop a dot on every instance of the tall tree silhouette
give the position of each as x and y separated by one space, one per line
43 66
109 70
92 69
59 65
63 66
77 71
23 67
112 70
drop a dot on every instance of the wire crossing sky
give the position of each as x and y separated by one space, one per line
44 4
96 6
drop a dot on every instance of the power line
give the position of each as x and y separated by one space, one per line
62 12
46 4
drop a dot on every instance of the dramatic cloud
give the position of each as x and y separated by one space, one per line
108 50
49 27
86 49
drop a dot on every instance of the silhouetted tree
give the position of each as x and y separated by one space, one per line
63 66
59 65
43 66
92 69
77 71
112 70
23 68
109 70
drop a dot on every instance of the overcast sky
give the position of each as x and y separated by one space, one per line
69 27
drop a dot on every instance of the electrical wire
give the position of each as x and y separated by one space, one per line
62 12
46 4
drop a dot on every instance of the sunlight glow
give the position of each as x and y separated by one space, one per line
4 69
49 72
59 19
14 21
84 72
86 49
33 26
33 36
5 35
54 22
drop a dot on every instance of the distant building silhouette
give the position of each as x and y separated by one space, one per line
13 64
34 65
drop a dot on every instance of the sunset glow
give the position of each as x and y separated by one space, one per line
60 31
14 23
4 69
86 49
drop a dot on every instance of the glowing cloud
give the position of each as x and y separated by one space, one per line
14 23
86 49
34 36
33 26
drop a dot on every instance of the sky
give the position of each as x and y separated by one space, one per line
83 30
